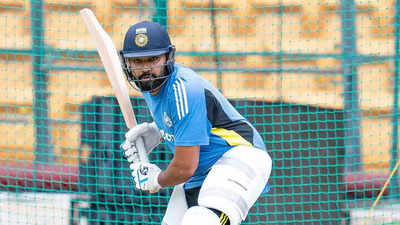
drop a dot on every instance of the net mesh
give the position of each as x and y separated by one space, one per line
319 80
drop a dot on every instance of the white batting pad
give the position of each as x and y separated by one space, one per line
177 207
198 215
236 181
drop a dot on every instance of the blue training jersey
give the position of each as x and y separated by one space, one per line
189 111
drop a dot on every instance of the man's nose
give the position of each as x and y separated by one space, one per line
146 68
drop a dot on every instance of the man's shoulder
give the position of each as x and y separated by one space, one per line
186 72
187 79
186 86
182 69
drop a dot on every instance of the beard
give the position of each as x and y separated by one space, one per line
150 81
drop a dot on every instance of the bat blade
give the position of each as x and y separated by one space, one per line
109 57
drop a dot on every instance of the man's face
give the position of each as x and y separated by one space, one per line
147 65
148 68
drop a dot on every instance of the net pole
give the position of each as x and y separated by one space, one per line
43 149
217 59
350 82
395 119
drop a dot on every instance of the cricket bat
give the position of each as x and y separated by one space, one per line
109 57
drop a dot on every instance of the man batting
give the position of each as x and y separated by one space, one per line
220 165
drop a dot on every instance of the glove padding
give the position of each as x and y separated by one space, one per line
151 138
146 176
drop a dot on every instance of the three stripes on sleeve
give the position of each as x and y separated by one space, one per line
180 98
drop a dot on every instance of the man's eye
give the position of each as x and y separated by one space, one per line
154 58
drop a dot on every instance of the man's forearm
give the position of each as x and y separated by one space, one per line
173 175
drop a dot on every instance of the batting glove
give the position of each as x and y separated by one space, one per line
130 152
148 132
151 138
146 176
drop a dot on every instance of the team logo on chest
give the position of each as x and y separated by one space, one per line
167 120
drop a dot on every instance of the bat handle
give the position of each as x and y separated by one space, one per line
142 151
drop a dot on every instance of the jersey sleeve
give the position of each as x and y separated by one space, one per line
189 114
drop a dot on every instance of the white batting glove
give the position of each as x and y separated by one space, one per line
151 138
146 176
130 152
149 132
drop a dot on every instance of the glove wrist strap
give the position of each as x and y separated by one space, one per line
156 180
